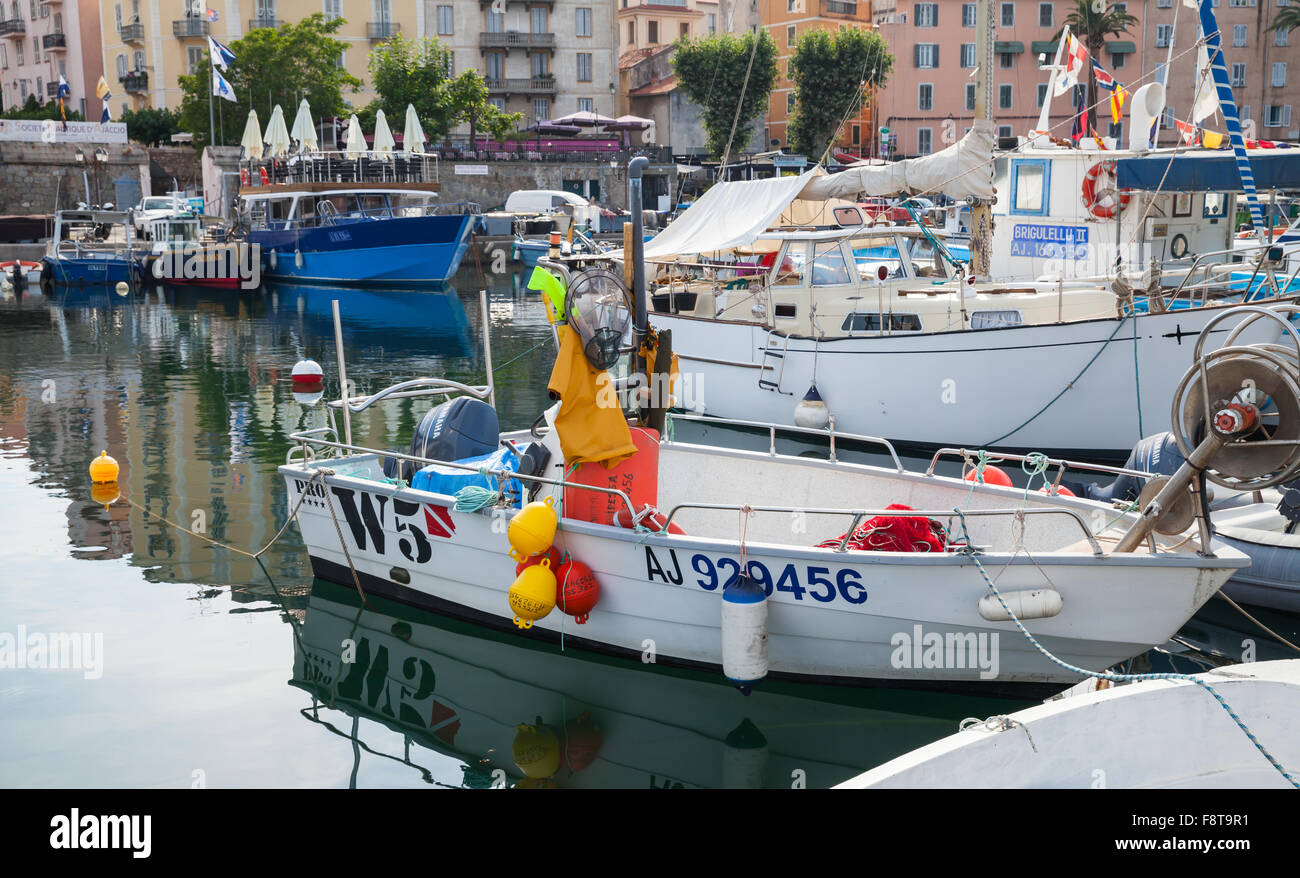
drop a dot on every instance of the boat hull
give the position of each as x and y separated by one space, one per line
391 252
1069 389
659 593
89 270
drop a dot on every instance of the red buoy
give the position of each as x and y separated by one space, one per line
307 372
992 476
1062 491
582 740
552 553
576 590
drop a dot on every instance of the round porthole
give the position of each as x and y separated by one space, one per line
1178 246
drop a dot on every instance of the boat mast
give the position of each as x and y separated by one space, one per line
981 240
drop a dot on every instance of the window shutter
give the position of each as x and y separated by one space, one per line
916 55
935 54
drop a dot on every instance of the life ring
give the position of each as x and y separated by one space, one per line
1104 203
243 176
1174 246
261 172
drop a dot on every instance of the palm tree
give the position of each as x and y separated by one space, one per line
1092 27
1286 18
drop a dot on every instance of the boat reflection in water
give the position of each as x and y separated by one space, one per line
425 321
519 713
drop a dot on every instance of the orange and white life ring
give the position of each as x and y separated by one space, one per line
261 172
1103 204
243 176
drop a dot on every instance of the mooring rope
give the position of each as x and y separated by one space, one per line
1121 678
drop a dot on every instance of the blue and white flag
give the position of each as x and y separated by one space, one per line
64 90
221 88
105 118
221 56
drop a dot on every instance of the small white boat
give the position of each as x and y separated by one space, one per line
1265 529
1121 737
823 612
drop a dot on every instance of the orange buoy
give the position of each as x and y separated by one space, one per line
992 476
576 590
103 469
552 554
1061 490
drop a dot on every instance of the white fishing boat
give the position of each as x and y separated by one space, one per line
1093 584
1119 737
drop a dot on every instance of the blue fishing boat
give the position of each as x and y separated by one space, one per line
392 234
91 247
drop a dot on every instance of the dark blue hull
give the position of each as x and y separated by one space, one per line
401 251
89 270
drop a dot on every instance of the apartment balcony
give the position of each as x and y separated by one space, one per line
132 33
134 82
255 23
382 30
189 27
840 7
54 42
534 85
14 27
550 3
516 40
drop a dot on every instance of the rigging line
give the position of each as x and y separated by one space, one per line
1267 629
740 103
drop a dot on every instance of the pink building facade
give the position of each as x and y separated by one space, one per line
43 39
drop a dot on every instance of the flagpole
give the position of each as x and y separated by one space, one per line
212 86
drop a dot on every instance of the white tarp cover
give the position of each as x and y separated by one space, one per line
963 170
728 215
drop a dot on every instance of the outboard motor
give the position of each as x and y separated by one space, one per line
1157 454
458 428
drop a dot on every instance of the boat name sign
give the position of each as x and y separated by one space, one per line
1028 239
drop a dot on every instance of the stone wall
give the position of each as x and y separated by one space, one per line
487 190
33 176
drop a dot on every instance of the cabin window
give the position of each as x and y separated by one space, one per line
1030 191
871 255
927 261
793 265
996 319
829 267
785 310
872 322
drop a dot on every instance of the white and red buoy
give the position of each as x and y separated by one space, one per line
307 372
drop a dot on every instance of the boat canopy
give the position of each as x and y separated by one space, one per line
734 214
1209 171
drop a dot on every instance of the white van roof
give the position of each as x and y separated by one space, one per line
525 195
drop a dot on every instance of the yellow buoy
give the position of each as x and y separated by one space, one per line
103 468
532 530
533 594
536 750
104 493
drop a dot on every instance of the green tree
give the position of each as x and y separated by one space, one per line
469 102
1092 21
409 72
151 125
1286 18
832 76
713 70
273 66
32 109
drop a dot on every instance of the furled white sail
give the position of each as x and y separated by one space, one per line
963 170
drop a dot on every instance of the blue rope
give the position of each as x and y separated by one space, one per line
1123 678
1034 464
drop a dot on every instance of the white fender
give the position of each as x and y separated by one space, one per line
1040 603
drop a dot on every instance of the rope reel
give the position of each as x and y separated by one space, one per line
1235 417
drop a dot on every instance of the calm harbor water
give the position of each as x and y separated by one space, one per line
206 667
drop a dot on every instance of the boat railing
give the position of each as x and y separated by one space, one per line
72 248
329 216
415 387
972 457
315 437
1206 271
829 433
859 514
337 166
